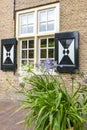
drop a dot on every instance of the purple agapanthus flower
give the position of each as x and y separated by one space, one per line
48 65
39 65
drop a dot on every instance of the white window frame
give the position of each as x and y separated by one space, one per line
37 35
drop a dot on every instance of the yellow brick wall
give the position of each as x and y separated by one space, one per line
73 17
6 31
26 4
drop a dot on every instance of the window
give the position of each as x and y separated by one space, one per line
46 20
27 23
35 30
27 51
46 49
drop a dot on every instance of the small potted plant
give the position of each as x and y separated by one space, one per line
50 105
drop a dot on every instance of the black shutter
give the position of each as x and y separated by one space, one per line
8 54
66 51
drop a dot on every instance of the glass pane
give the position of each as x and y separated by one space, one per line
42 27
43 43
31 61
31 43
43 53
51 15
23 29
43 16
30 29
30 18
24 20
42 62
31 53
24 44
24 62
50 26
50 53
24 54
51 42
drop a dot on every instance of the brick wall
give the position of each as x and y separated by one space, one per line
73 17
6 19
24 4
6 31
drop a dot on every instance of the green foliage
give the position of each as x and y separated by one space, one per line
50 106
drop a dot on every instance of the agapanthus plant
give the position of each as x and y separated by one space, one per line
48 103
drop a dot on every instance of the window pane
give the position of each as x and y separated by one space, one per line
42 27
43 43
51 15
31 43
30 18
43 53
43 16
51 42
24 62
24 44
50 53
23 29
31 53
24 54
31 62
24 20
50 26
30 29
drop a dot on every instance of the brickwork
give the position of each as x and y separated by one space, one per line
73 17
26 4
6 31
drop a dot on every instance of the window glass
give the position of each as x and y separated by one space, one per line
43 16
24 20
42 27
43 53
46 20
31 44
50 26
24 44
24 53
24 62
30 29
50 53
30 18
51 42
31 53
43 43
50 15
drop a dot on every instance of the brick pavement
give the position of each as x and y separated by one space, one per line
8 120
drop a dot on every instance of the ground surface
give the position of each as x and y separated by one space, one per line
8 120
